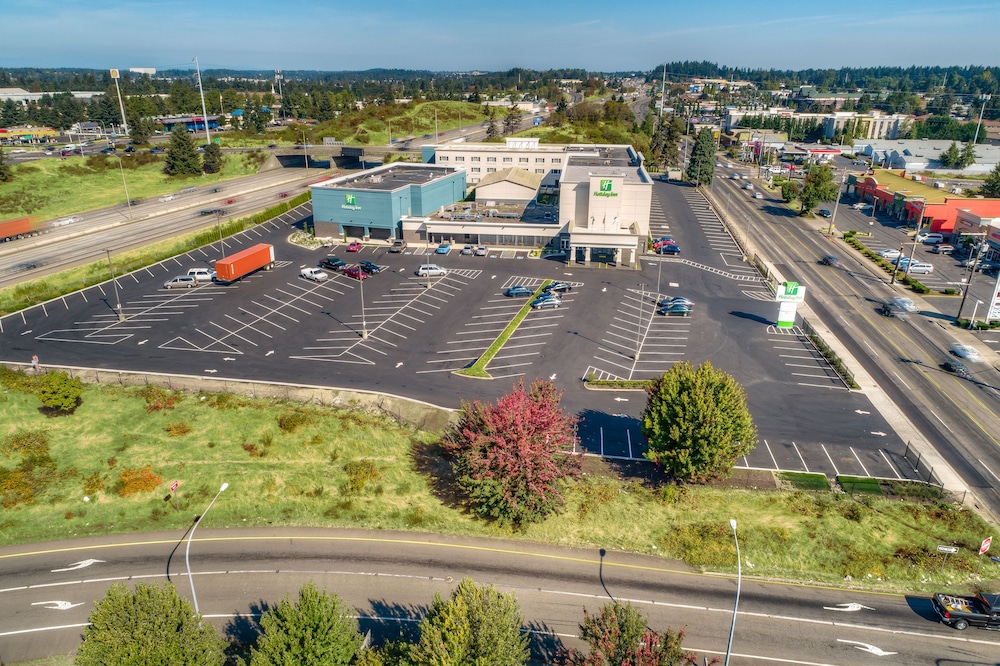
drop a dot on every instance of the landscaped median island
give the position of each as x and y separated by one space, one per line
478 369
106 463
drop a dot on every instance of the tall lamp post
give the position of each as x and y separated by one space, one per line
204 112
128 201
836 203
305 147
985 99
364 325
739 581
187 551
114 281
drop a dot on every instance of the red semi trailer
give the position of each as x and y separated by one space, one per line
22 227
243 263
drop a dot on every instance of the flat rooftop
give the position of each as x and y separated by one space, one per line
601 161
913 188
391 178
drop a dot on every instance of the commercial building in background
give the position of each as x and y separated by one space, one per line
588 202
869 125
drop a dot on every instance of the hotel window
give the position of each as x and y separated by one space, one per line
459 158
490 170
491 159
522 160
557 160
474 158
539 170
475 169
443 158
539 160
508 160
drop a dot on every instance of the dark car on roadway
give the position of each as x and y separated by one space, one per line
156 150
831 260
556 287
333 264
518 290
956 367
370 267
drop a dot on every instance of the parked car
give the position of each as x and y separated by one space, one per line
397 246
370 267
676 300
890 254
314 274
185 281
431 270
468 250
859 205
542 303
481 251
668 248
558 287
930 239
676 310
968 352
202 274
355 272
518 290
823 212
920 268
443 248
354 246
333 264
549 295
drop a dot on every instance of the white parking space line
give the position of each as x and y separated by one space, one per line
855 454
771 453
892 466
830 458
801 459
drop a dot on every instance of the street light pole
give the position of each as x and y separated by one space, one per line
364 325
204 112
972 273
305 148
985 99
974 310
187 551
836 203
114 281
739 581
128 201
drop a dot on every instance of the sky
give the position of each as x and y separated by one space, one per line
446 35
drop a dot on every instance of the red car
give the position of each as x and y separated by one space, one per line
355 272
231 200
355 246
282 195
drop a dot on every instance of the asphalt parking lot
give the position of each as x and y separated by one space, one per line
402 334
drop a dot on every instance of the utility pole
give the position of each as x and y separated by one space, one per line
204 112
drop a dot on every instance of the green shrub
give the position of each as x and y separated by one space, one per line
158 399
25 443
291 421
132 481
178 429
359 474
59 392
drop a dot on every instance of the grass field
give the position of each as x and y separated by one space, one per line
290 464
53 188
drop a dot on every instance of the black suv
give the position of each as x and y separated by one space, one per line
333 264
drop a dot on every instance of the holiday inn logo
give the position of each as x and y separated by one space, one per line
606 188
350 203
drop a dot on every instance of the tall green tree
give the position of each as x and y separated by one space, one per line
212 158
950 157
818 186
182 158
151 626
618 635
317 630
991 186
696 422
509 457
701 168
6 172
510 120
478 626
968 156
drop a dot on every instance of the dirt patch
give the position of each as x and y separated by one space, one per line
755 479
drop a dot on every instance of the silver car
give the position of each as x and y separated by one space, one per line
185 281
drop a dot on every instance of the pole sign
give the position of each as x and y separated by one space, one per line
173 486
114 73
788 295
947 549
986 545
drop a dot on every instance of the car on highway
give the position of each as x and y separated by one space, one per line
904 303
467 251
831 260
892 310
481 251
354 246
957 367
518 290
557 287
431 270
676 310
66 221
282 195
314 274
185 281
156 150
370 267
333 264
758 195
968 352
943 248
356 272
443 248
542 302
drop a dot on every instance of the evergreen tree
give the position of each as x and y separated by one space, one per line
317 630
478 626
151 626
950 157
968 156
511 120
6 172
212 158
696 422
991 186
701 169
182 158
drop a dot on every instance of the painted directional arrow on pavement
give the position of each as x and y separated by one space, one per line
77 565
865 647
848 607
57 605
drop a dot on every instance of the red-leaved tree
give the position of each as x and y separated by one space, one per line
510 457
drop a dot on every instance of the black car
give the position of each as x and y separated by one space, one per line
107 150
156 150
333 264
129 149
823 212
558 287
957 367
831 260
369 267
518 290
668 248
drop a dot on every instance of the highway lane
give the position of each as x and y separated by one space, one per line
153 220
958 416
390 579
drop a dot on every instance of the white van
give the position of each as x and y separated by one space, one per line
431 270
202 274
921 268
933 239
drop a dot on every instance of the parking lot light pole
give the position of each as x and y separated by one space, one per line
739 581
114 281
187 552
128 201
836 202
364 325
974 310
896 266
